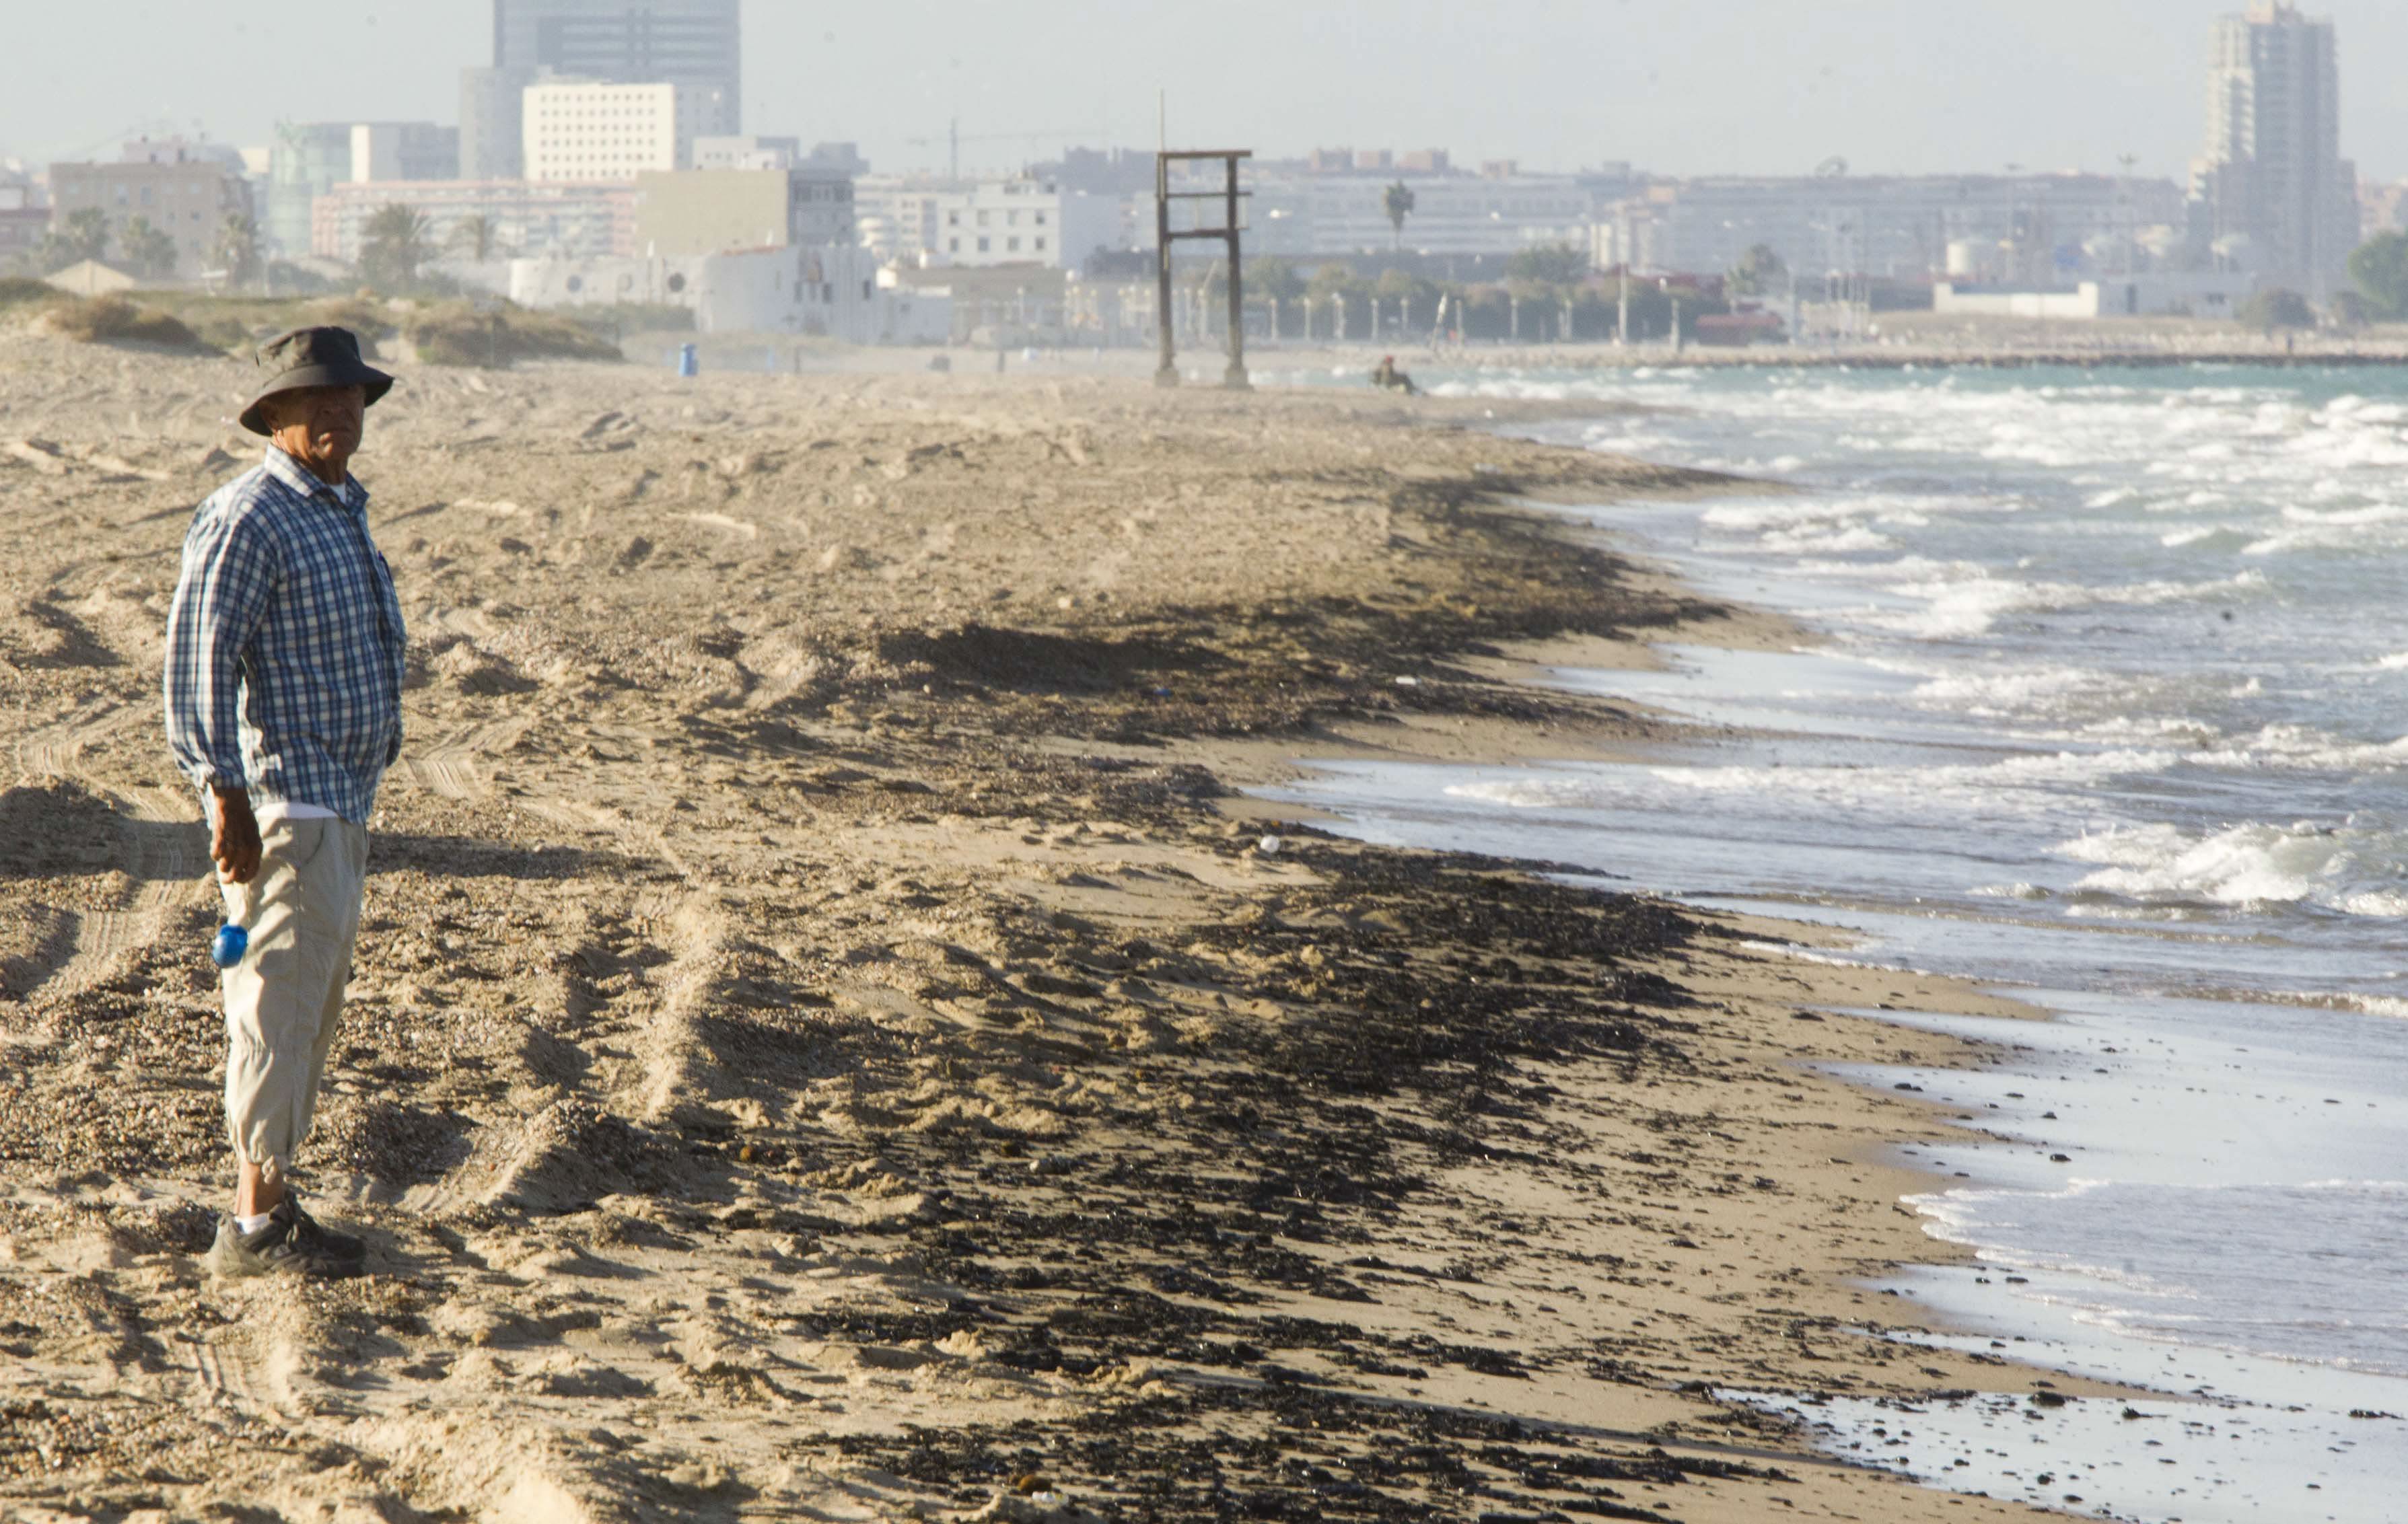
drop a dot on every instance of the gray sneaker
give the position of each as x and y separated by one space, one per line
289 1239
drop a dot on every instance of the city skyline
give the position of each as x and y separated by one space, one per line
1888 86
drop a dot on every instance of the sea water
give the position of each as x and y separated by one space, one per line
2107 704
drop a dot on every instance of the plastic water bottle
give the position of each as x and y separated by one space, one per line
227 947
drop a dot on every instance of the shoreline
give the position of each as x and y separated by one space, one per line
1904 357
826 1037
1909 352
1272 366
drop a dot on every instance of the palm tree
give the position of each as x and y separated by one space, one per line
1758 270
237 247
83 235
1279 284
480 236
1398 200
2380 268
1549 264
393 247
149 250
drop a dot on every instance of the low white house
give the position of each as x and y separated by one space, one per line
834 290
2200 294
830 292
606 282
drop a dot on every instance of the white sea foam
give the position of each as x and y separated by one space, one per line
2025 784
2306 748
1972 600
2229 1264
2056 571
2355 872
2162 730
1996 693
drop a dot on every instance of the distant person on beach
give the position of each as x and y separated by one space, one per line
283 688
1386 376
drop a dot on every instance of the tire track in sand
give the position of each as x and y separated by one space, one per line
453 765
164 857
157 844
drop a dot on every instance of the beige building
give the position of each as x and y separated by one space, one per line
710 211
186 197
587 132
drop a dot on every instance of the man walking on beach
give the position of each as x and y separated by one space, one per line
283 688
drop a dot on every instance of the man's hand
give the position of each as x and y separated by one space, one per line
234 835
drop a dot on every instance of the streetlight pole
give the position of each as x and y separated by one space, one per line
1166 372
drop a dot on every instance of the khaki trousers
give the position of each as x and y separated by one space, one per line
283 1000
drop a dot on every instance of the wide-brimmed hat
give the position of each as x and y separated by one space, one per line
313 357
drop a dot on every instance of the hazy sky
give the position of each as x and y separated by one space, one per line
1756 86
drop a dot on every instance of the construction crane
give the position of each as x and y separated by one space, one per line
955 140
166 126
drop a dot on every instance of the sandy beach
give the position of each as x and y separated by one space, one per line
831 1039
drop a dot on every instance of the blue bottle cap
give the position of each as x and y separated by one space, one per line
227 947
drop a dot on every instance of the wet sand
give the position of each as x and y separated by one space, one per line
829 1041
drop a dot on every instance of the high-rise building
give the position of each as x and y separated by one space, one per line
696 45
591 131
493 123
2278 196
311 158
307 160
404 151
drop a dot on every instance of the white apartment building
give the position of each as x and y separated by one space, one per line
588 132
1452 215
1897 226
747 151
565 221
1015 222
988 223
895 214
2272 173
1298 214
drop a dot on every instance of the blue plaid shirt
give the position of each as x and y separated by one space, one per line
284 647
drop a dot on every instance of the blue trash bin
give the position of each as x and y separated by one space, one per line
689 363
